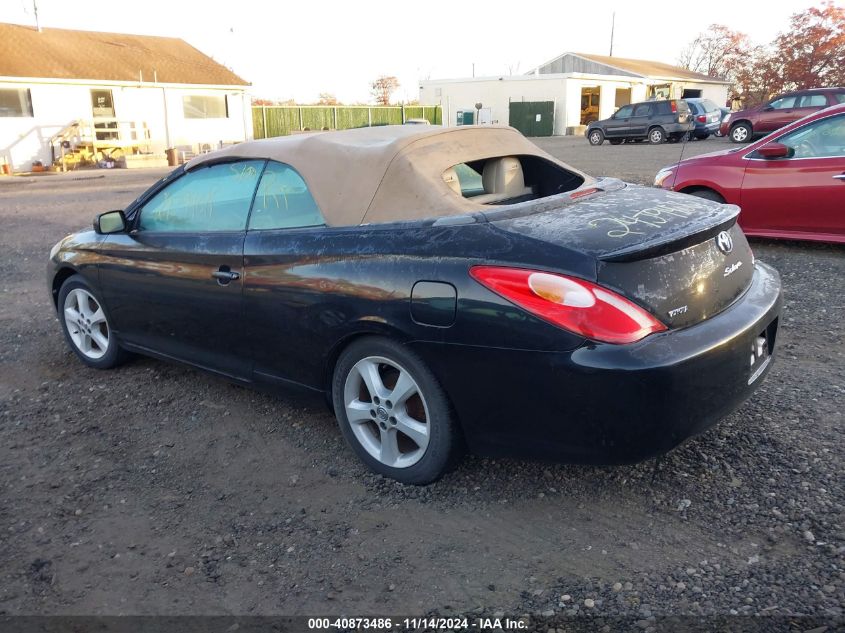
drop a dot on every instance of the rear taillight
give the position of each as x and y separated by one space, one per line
701 118
572 304
674 106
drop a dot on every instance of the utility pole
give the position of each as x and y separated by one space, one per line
35 10
612 28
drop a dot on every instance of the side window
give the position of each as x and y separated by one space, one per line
819 139
839 97
783 103
813 101
642 110
624 112
212 198
283 200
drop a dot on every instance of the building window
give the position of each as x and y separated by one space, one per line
15 103
102 104
204 107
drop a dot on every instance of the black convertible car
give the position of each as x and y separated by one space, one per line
442 287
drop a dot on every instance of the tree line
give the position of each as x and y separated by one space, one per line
809 54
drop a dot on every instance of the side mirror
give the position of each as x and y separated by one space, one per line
775 150
768 108
110 222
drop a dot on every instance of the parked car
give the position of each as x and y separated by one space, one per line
417 122
790 184
706 116
549 314
744 125
657 121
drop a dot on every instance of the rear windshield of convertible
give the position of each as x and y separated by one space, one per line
501 180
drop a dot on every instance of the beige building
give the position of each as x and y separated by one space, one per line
564 94
81 94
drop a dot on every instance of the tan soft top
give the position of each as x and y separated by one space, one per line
387 173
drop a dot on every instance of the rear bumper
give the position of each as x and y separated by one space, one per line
610 404
710 128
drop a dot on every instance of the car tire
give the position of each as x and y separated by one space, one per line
616 141
411 437
656 136
595 136
86 325
708 194
740 133
703 137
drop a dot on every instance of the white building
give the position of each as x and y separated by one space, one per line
81 94
564 94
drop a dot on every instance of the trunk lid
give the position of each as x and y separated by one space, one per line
682 258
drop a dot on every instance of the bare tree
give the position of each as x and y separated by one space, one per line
327 98
718 52
383 87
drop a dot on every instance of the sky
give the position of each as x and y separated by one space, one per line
297 50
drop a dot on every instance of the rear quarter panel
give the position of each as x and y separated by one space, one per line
309 292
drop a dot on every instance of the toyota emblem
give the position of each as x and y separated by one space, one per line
725 242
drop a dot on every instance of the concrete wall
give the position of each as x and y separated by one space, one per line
55 105
564 90
494 93
716 93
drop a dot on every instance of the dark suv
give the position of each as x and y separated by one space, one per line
656 121
744 125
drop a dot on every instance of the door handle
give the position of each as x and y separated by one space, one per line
225 276
839 176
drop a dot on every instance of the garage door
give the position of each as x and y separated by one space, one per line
532 118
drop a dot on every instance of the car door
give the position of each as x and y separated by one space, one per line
619 124
803 193
640 119
173 282
776 114
283 278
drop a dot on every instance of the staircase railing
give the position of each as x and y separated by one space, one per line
101 136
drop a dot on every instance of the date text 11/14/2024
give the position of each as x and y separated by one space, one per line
414 624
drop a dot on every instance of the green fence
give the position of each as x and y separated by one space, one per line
268 121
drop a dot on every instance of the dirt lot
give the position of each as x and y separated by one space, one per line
157 489
633 162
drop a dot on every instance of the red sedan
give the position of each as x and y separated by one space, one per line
790 184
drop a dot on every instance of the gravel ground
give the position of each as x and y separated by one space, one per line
633 162
156 489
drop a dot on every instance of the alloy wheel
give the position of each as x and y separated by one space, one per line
387 411
86 323
739 134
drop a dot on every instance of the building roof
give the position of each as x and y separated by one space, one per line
69 54
387 173
637 67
